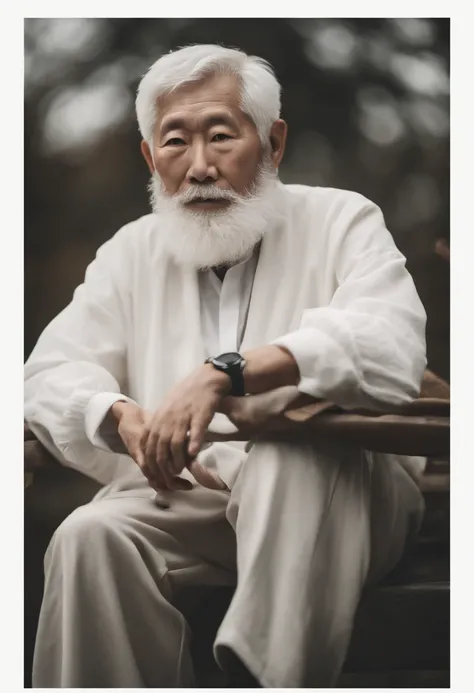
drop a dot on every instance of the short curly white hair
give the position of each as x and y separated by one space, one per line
260 90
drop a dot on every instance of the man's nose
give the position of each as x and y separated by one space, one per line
202 169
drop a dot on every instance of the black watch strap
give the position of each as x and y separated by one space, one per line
233 364
237 378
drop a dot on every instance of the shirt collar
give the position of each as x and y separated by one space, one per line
253 252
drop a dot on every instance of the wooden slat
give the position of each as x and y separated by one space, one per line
403 435
434 483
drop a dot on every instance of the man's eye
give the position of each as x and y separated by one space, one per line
221 137
174 141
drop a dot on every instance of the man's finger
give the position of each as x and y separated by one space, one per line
163 462
176 483
154 477
178 447
140 460
165 465
158 485
197 430
206 477
161 478
144 435
152 458
183 484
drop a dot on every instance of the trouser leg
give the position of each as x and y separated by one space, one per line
312 526
113 571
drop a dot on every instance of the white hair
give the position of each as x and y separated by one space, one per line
260 90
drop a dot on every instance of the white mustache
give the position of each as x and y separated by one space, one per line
206 192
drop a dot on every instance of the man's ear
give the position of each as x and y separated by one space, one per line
278 141
147 155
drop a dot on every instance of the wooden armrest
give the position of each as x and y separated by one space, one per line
426 436
35 456
420 428
419 407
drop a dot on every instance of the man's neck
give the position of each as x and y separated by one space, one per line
220 271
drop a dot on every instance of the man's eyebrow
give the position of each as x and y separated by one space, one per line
179 123
172 124
219 119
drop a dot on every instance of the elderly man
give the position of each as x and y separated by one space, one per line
235 284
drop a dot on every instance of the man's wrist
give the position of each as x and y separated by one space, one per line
118 408
219 380
269 367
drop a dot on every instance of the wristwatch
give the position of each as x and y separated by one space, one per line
233 364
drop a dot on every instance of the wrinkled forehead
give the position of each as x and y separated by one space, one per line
216 94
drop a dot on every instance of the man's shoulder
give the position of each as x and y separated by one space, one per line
137 238
323 198
327 214
138 231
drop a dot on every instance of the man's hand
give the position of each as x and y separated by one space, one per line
159 443
132 420
175 433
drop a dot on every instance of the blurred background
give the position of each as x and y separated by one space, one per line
367 102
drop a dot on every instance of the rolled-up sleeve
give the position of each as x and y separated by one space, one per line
367 348
77 369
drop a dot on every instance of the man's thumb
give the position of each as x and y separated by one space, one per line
206 477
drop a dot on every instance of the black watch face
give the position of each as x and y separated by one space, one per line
229 359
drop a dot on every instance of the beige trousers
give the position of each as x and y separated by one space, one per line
304 528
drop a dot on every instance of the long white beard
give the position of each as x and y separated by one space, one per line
208 239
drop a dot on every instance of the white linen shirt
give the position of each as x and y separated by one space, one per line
329 285
224 305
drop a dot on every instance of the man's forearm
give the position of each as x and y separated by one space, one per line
117 409
269 367
109 428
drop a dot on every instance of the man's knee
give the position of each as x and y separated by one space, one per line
307 478
88 523
280 459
